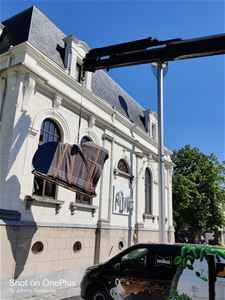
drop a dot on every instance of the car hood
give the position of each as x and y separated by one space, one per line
94 267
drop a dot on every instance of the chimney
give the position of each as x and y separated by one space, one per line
70 53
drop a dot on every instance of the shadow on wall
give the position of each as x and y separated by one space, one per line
21 131
20 237
16 138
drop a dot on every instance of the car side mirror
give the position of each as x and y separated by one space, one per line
117 266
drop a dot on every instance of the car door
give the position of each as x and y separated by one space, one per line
220 279
129 277
161 270
194 280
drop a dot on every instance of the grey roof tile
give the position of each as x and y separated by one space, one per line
46 37
33 26
106 88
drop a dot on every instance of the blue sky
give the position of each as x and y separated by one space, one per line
194 92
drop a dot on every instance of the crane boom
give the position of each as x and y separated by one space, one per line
152 50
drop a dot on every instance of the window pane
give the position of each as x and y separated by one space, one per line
46 125
83 199
136 259
78 73
50 189
57 132
41 137
45 137
85 139
148 208
52 127
56 138
122 166
38 186
51 138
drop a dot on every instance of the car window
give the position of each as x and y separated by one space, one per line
136 259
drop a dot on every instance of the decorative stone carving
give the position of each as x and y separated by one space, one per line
28 90
72 207
57 101
12 80
29 201
113 117
81 206
91 121
139 154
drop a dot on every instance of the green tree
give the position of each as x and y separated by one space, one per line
198 191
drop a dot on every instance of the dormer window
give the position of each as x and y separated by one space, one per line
75 51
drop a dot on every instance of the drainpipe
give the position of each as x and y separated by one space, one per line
111 190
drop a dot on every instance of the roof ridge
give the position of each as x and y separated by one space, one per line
47 18
31 17
19 13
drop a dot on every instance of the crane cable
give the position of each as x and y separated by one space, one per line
82 78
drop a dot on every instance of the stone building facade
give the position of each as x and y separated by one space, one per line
48 231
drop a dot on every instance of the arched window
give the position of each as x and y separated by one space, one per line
123 166
81 198
50 132
85 139
148 192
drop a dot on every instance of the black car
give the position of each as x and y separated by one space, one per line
153 271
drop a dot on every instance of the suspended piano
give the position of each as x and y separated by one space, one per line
75 167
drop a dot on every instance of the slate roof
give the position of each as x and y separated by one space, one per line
33 26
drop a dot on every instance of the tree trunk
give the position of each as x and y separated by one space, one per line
176 278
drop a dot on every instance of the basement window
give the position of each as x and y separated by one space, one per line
37 247
77 246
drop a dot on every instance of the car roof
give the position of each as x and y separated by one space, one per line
161 246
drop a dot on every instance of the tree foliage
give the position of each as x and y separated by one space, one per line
198 191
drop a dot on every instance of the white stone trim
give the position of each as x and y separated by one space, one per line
152 171
49 113
88 132
126 158
57 101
